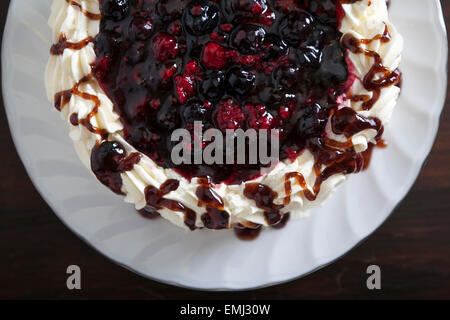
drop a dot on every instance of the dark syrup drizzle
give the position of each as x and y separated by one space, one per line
63 97
63 44
215 217
264 199
156 201
58 48
247 234
149 213
370 82
90 15
74 119
251 231
283 221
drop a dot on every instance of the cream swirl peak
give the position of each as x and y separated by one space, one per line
125 74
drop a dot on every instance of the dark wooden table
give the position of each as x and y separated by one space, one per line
412 247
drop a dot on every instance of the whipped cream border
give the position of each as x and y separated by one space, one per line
363 20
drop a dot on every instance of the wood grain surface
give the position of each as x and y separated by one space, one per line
412 247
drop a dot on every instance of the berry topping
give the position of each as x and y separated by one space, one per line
244 7
274 47
231 64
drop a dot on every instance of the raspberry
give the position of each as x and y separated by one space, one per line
165 47
185 84
285 111
192 69
214 56
258 117
185 88
229 115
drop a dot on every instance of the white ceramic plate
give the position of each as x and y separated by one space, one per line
218 260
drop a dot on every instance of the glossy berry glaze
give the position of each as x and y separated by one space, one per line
231 64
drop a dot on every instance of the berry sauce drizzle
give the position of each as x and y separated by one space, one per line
247 234
215 216
264 199
156 201
58 48
90 15
109 161
63 97
372 82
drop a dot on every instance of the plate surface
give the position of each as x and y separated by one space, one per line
218 260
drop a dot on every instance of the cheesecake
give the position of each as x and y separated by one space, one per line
126 74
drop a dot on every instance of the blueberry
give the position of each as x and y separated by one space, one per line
295 27
201 17
108 44
248 39
332 69
106 160
286 75
115 9
195 111
311 120
213 85
240 82
274 47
